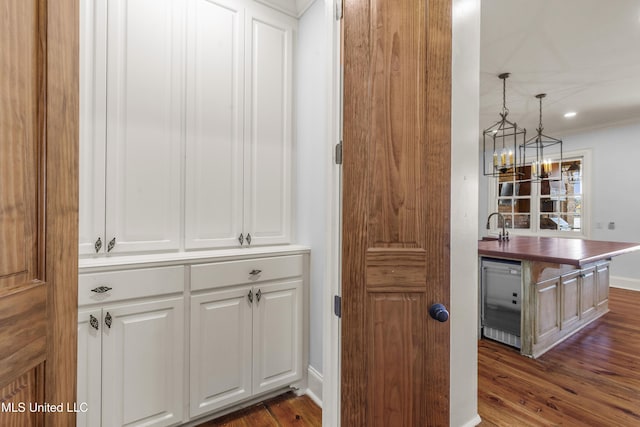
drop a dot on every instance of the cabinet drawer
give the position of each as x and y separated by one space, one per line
220 274
128 284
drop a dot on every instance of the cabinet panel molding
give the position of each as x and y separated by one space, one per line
221 351
588 292
547 304
268 127
143 362
214 137
221 274
93 132
89 367
277 335
144 124
602 280
570 296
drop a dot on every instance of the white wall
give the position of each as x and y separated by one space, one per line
614 193
464 212
311 88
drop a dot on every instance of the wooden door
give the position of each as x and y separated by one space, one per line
396 203
38 208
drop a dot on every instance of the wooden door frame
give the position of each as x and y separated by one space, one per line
60 166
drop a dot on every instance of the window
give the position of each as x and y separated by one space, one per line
552 206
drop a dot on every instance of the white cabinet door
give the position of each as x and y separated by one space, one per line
142 363
277 335
214 137
89 367
268 127
220 349
144 114
93 97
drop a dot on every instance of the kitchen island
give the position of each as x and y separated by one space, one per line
564 285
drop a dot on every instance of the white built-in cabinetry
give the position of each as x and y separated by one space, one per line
186 142
247 316
131 125
131 347
243 335
239 130
207 80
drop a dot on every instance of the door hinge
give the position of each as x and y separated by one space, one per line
339 153
337 305
339 9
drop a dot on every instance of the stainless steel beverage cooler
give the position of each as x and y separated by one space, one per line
501 289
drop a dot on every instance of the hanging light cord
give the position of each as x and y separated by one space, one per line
540 124
505 110
540 128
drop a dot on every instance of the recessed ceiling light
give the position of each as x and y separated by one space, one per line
570 114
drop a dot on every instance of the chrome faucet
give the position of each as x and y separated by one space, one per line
504 235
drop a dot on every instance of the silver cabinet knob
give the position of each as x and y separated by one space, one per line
98 245
93 322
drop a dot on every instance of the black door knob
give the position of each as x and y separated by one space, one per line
439 312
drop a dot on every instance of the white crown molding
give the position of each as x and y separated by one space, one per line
295 8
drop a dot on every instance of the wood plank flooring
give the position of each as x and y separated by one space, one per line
591 379
282 411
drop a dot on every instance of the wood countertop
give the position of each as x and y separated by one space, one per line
576 252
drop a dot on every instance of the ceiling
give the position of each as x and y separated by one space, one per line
584 54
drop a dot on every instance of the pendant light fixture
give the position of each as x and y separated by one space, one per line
501 141
535 152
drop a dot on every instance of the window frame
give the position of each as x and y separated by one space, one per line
535 197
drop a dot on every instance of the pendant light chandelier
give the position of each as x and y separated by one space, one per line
501 141
533 152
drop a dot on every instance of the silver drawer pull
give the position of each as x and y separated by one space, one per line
101 289
255 272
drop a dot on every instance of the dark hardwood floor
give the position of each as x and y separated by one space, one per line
282 411
591 379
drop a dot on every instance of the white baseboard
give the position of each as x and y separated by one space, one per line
314 384
625 283
472 422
